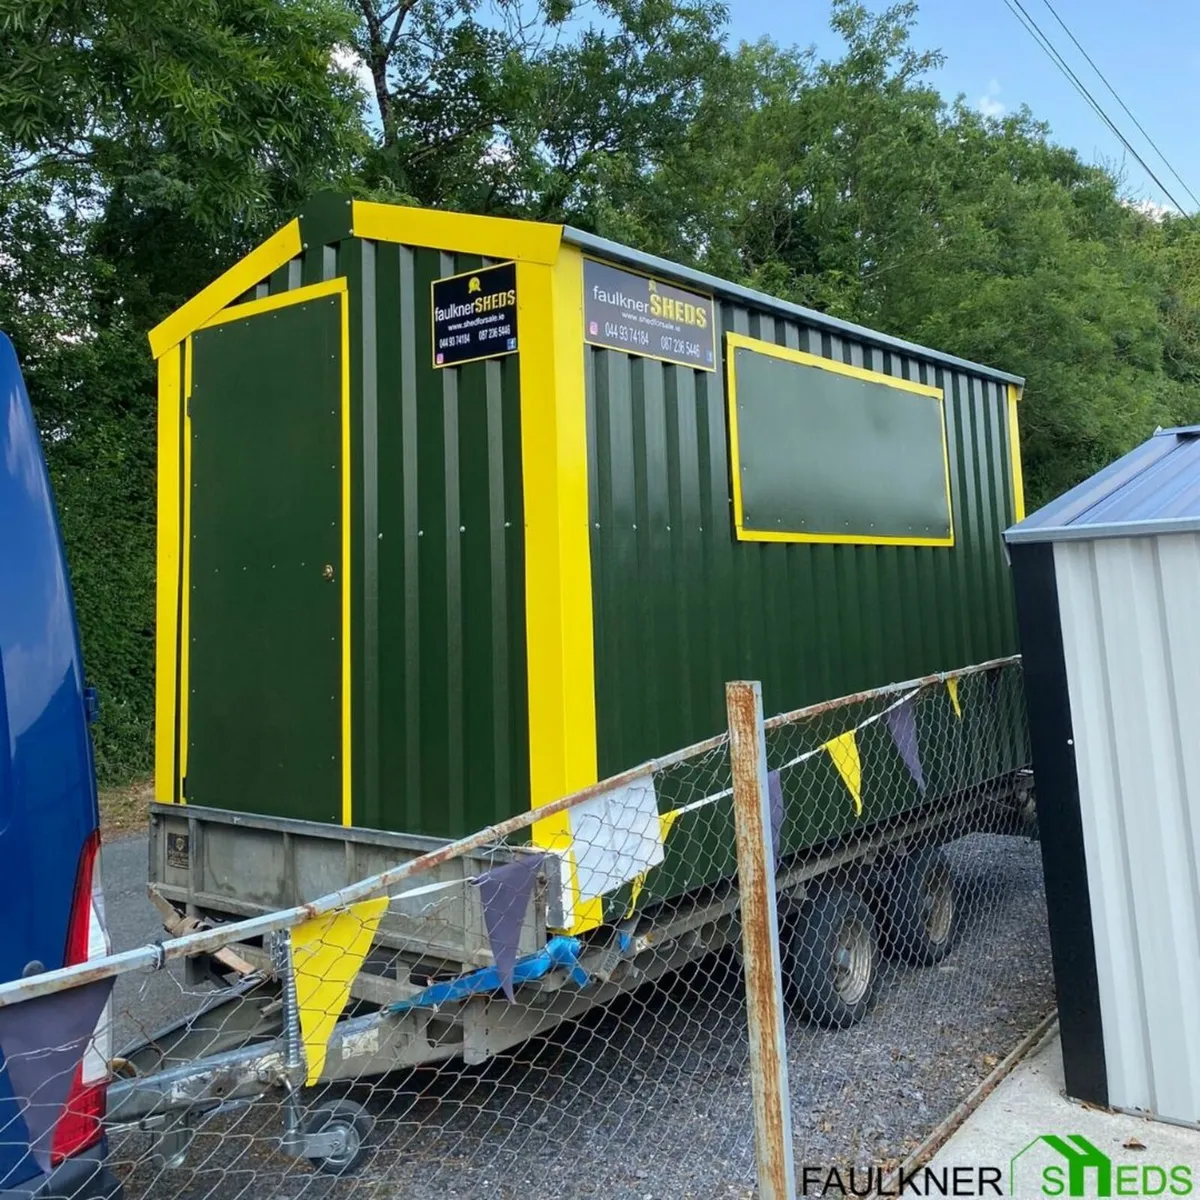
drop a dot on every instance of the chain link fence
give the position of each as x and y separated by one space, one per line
557 1005
923 959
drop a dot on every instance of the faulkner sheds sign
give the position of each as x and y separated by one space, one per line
475 315
643 315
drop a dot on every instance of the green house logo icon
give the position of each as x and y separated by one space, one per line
1073 1166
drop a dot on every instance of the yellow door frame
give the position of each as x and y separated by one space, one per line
172 486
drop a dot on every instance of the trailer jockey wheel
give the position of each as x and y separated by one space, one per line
346 1128
830 956
920 912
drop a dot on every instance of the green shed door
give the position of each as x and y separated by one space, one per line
264 627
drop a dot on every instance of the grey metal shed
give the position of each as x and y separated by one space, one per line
1107 580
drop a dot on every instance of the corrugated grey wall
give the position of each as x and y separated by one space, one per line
1131 642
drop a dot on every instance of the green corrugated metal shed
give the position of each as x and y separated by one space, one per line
539 578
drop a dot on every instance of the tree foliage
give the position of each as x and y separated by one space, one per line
145 144
531 111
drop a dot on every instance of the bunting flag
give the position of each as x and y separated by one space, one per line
615 836
775 795
504 894
43 1042
952 688
844 752
327 953
666 822
902 725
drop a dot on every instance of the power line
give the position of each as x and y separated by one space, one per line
1035 31
1125 108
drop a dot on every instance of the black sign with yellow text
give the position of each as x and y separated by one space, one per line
643 315
475 315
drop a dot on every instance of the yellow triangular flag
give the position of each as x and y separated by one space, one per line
326 955
952 688
844 752
665 821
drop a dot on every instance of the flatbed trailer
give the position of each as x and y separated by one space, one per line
244 1043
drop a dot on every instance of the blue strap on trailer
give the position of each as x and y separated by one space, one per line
559 953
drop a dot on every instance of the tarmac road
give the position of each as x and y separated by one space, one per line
142 1002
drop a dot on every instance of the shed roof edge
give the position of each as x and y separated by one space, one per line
605 248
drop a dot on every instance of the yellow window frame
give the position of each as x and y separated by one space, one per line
738 341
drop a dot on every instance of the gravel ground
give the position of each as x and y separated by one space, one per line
650 1098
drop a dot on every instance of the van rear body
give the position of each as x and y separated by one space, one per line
52 913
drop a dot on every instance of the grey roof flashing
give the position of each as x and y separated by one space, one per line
1154 489
616 252
1122 529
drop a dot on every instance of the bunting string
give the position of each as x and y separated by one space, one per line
843 752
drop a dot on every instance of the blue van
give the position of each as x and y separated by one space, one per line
52 912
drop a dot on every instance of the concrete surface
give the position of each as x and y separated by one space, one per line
1030 1102
142 1003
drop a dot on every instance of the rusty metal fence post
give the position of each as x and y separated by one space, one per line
760 942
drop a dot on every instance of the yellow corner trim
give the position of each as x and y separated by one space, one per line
558 564
1015 395
492 237
170 410
735 341
278 249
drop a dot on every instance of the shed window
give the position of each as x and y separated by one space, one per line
825 452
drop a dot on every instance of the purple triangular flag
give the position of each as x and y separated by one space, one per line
43 1041
504 894
902 724
775 795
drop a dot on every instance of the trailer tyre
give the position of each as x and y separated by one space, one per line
352 1121
920 910
830 957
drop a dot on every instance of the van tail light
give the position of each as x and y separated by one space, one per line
81 1124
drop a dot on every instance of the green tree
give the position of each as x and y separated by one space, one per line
851 186
144 144
548 111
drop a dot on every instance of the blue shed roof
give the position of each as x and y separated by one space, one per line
1153 489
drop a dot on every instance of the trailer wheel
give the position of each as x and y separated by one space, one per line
352 1122
920 911
830 957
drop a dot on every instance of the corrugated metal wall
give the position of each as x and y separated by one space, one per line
439 705
680 606
1132 650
